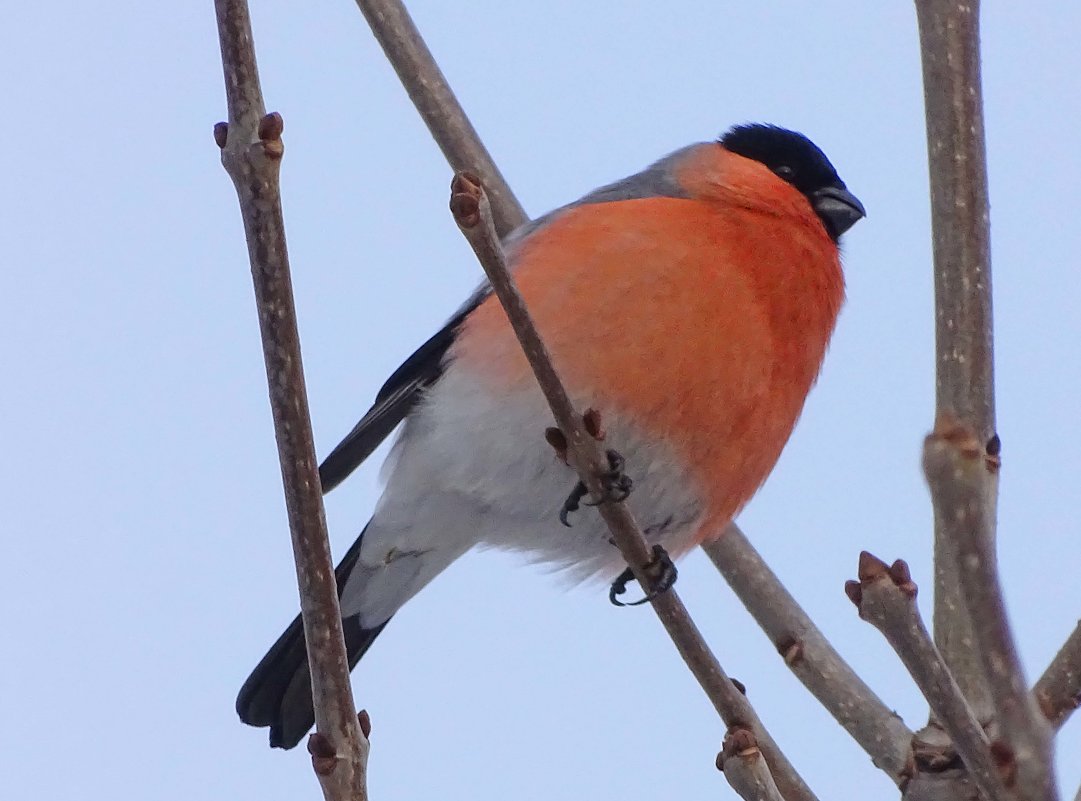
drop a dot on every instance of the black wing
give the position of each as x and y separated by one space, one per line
395 400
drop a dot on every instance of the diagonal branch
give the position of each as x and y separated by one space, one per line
1058 692
877 728
442 113
886 598
473 215
251 152
961 475
745 769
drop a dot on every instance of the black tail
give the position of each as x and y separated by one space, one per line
278 692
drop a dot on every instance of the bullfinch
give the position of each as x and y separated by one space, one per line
691 304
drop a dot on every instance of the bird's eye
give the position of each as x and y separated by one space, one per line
785 172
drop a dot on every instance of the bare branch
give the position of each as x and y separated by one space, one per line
961 475
473 215
1058 692
877 728
433 98
949 46
962 456
886 598
745 769
251 153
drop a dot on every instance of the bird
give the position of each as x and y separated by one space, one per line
690 304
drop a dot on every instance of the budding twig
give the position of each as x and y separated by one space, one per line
251 151
472 212
885 596
745 769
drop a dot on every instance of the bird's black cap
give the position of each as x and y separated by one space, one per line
799 161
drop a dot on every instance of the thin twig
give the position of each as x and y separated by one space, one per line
961 474
745 769
251 151
1058 692
886 598
428 89
949 46
877 728
473 215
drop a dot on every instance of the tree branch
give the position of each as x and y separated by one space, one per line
473 215
1058 692
961 475
886 598
251 152
745 769
962 456
442 113
949 46
960 221
877 728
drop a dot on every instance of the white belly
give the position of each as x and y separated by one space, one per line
473 469
484 458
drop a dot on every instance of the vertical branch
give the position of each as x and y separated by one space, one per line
949 46
961 457
442 113
960 475
251 152
949 35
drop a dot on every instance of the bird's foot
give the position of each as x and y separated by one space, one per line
573 503
660 571
617 486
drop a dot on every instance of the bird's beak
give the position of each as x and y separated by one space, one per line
838 208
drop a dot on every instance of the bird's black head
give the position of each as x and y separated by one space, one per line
796 159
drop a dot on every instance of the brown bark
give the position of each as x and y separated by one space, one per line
251 151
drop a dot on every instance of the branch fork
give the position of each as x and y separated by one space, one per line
962 475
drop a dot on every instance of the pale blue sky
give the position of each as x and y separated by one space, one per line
145 556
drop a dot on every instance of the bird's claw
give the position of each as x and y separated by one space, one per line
660 571
617 487
617 484
573 503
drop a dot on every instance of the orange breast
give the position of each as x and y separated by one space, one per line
698 322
